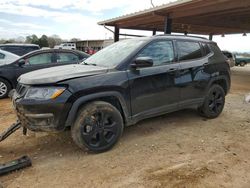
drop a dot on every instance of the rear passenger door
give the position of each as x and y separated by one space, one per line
195 71
64 58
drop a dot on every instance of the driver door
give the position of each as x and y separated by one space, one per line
154 90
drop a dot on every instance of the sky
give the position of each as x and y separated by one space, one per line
78 19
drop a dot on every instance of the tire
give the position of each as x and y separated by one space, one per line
5 88
242 64
214 102
98 126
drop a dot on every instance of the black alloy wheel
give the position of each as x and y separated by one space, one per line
213 103
99 126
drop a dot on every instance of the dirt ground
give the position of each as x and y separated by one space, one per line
180 149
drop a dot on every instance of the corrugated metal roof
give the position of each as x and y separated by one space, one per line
164 6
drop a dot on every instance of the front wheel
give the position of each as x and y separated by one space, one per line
99 126
213 103
4 88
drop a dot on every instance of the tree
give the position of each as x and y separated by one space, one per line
32 39
43 41
54 40
74 39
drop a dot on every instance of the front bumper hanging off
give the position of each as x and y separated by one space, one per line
17 164
13 128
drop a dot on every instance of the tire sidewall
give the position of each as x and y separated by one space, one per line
85 112
8 88
242 64
205 109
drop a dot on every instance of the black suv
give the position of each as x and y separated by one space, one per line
122 84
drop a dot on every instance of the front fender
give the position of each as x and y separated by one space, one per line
84 99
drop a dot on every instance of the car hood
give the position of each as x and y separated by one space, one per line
60 73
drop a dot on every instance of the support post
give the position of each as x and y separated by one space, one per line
211 36
154 32
116 34
168 25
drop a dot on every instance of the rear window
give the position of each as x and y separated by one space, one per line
188 50
228 55
206 49
2 56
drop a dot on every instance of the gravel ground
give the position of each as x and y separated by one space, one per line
180 149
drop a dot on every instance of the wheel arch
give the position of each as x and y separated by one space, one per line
114 98
7 80
223 81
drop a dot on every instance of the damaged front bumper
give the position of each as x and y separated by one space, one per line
47 115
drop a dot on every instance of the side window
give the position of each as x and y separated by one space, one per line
162 52
188 50
40 59
2 56
206 49
66 58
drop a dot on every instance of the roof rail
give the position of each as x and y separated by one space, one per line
180 36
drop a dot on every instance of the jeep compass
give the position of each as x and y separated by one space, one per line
122 84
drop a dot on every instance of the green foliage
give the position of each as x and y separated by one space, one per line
44 41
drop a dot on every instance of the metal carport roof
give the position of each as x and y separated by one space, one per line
190 16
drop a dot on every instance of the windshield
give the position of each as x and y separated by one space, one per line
114 54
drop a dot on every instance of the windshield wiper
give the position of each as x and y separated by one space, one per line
93 64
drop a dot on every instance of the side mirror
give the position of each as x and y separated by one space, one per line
142 62
21 62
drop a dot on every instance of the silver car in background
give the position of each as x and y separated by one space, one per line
7 57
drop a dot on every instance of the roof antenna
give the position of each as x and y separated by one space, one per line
152 3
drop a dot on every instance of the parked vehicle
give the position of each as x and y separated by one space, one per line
242 61
35 60
230 58
19 49
68 46
7 57
122 84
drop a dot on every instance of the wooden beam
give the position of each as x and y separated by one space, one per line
168 25
116 34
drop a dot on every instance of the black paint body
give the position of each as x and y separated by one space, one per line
137 93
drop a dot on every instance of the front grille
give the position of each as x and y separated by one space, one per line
21 89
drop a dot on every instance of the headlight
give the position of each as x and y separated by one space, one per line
44 93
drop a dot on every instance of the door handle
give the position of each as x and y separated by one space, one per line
205 64
172 69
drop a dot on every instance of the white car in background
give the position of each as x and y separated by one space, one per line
7 57
67 46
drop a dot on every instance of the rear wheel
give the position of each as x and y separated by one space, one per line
213 103
99 126
242 64
5 88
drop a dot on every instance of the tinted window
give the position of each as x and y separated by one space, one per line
206 49
2 56
161 52
66 57
228 55
40 59
188 50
